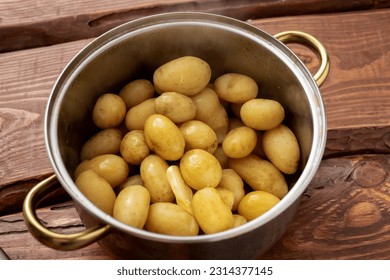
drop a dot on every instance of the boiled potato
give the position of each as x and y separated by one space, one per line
136 92
239 142
163 137
256 203
236 88
260 174
84 165
153 172
281 147
262 114
132 206
198 135
239 220
200 169
133 147
232 181
211 212
183 193
137 115
113 168
171 219
130 181
97 190
109 111
176 106
210 111
227 197
187 75
106 141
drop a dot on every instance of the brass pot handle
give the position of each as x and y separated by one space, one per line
58 241
304 38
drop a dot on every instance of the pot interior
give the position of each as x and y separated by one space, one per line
134 50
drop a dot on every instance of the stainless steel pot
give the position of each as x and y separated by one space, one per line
134 50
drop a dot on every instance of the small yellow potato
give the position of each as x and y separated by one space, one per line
227 197
239 142
221 157
106 141
137 115
112 168
133 147
256 203
211 212
183 193
132 206
109 111
232 181
176 106
84 165
136 92
97 190
239 220
171 219
163 137
198 135
281 147
260 174
153 172
187 75
207 102
130 181
236 88
200 169
210 111
262 114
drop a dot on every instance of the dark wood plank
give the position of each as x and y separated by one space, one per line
344 214
34 23
355 93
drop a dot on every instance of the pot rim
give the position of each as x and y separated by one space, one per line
121 32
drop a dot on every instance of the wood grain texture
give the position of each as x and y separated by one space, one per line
344 214
52 22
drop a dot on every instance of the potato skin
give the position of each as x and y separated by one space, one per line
256 203
153 172
164 137
109 111
281 147
236 88
176 106
97 190
132 206
211 212
133 147
136 92
199 135
260 175
106 141
136 117
262 114
169 218
113 168
239 142
187 75
200 169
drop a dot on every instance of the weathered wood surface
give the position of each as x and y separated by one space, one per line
345 211
344 214
39 23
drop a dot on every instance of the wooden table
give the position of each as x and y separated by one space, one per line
345 212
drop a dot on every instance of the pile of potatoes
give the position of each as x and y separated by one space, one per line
183 156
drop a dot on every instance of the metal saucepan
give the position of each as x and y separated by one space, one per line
134 50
